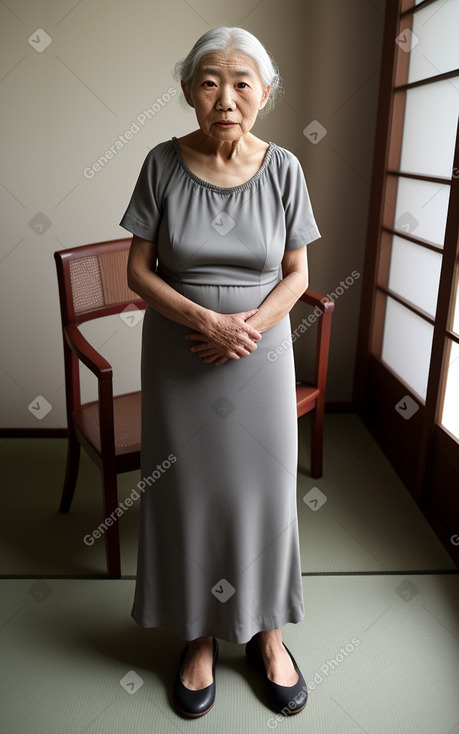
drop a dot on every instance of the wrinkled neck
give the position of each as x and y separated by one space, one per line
227 150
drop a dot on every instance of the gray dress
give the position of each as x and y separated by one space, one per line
218 543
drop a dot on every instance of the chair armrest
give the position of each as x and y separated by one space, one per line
86 353
316 299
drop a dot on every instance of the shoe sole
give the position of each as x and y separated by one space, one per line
291 712
194 716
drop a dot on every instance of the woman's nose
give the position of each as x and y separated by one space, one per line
226 101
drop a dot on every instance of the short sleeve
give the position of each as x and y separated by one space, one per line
143 215
301 227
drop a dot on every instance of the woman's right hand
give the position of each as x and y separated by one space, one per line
226 335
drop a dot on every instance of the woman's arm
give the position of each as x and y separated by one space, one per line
275 306
229 333
286 293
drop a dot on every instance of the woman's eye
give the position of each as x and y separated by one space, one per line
209 84
242 85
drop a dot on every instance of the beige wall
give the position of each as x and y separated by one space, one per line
64 105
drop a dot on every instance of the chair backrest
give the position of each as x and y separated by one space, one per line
93 281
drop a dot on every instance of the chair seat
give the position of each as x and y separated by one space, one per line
126 416
306 397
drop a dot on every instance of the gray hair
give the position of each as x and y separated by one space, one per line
225 38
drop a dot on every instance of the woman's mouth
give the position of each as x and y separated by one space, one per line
224 123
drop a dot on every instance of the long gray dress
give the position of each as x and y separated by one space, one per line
218 543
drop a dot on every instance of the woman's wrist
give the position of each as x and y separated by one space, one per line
195 316
204 320
257 322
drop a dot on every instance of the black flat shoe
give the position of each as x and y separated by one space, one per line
286 699
194 703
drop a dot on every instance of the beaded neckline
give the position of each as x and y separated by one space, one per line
220 189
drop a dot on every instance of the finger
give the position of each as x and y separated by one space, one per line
244 352
219 355
211 353
202 347
196 337
251 332
248 345
247 314
254 334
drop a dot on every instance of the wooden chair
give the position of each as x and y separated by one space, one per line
311 396
92 284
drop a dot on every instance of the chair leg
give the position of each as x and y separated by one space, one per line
71 472
317 431
112 536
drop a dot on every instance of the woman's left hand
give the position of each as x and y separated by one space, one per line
208 352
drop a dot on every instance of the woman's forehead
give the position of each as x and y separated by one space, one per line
234 62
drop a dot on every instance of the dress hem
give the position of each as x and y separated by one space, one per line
291 617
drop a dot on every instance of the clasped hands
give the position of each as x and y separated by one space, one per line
226 336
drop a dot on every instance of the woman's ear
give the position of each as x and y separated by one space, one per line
186 93
265 97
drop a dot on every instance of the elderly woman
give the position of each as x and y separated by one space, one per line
221 220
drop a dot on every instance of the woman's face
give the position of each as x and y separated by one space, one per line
227 94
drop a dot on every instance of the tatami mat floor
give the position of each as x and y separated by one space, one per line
380 655
378 645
